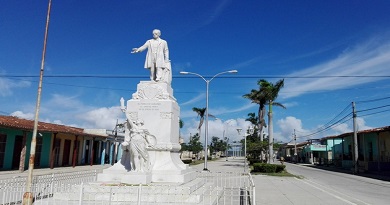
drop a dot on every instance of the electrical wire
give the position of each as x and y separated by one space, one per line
374 113
180 76
340 121
374 100
372 108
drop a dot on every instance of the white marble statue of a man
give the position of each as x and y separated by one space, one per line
157 58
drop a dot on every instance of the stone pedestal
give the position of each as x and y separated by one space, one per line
154 104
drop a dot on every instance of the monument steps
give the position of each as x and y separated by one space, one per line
194 192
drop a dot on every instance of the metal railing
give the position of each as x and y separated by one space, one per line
207 188
12 190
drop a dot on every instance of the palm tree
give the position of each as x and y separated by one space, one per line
270 92
201 113
252 118
257 96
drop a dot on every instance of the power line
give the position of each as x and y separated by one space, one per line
373 100
331 122
345 109
373 108
374 113
179 76
342 120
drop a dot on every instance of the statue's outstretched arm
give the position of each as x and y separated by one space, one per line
140 49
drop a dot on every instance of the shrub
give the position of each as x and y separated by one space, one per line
268 168
253 161
187 161
280 168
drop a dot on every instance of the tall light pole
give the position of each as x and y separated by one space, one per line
207 108
250 131
226 138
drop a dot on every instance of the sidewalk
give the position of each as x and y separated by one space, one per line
46 171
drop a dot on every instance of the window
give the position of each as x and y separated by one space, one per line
3 141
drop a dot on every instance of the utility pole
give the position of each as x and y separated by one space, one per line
355 143
295 147
28 195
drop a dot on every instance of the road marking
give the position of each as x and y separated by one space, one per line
334 195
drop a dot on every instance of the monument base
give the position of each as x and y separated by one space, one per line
125 178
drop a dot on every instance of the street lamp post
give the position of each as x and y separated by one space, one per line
250 131
207 108
226 138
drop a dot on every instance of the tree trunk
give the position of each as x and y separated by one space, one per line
270 134
261 126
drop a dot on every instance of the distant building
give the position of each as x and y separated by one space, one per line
373 150
56 145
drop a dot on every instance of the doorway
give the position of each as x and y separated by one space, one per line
65 156
18 146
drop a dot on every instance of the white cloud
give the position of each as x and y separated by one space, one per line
221 111
287 127
367 59
194 100
7 85
344 127
70 111
290 104
23 115
65 102
102 118
217 128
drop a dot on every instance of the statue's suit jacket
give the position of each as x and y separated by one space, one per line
162 53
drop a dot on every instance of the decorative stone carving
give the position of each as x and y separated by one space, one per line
151 91
165 115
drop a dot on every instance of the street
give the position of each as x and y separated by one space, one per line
346 188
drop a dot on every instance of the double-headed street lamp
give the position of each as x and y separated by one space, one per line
250 131
207 108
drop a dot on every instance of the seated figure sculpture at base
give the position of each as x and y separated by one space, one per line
137 141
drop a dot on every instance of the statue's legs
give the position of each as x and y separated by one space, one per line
159 74
152 74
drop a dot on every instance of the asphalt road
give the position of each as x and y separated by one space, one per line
348 188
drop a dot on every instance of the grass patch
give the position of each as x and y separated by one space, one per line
276 174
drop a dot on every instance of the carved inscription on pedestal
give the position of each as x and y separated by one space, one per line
149 106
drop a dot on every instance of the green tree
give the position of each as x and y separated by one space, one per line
181 123
218 145
195 145
257 96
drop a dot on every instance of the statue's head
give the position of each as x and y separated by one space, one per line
156 33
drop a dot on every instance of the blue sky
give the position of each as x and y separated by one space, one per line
89 67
